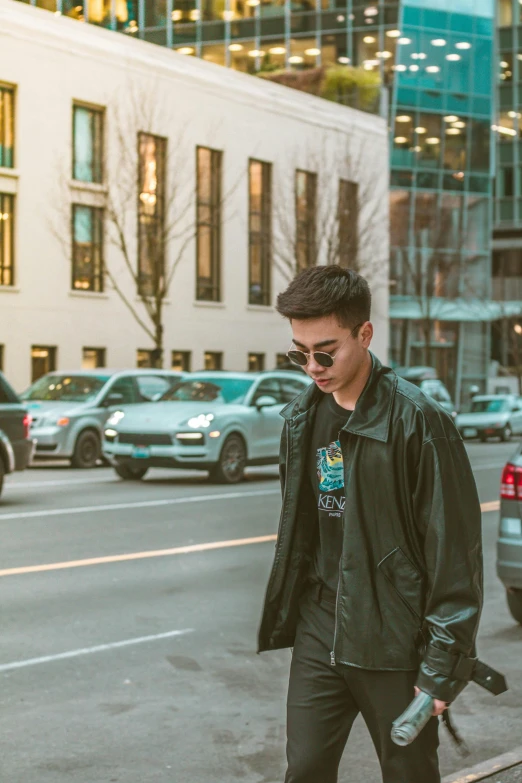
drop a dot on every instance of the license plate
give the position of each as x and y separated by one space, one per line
470 433
141 452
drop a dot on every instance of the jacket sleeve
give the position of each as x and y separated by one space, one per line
282 460
447 510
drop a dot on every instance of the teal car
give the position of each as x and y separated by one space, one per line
219 422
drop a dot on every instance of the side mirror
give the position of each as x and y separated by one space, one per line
266 401
113 399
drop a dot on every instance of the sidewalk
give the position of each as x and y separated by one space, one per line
506 768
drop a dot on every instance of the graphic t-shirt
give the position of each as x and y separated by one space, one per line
327 477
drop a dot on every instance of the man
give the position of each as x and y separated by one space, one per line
377 577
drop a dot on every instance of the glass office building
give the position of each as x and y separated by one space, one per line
435 60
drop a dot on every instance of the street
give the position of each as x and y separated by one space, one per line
121 662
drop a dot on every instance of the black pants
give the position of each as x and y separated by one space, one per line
324 700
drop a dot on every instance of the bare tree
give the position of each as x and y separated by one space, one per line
342 201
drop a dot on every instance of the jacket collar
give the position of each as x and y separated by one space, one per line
372 415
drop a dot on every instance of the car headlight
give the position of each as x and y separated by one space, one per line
115 417
190 438
202 421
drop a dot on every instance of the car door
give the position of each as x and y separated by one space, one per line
267 424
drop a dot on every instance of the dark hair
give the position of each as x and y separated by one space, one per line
327 290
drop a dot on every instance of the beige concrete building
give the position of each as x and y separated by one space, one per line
149 198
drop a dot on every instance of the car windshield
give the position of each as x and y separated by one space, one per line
67 388
226 390
489 406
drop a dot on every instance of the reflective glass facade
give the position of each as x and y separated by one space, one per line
435 60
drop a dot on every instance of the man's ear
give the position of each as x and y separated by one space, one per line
366 334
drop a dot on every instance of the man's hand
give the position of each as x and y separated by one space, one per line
438 706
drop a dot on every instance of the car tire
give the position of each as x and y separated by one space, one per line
232 462
2 474
130 472
483 438
514 599
506 434
87 450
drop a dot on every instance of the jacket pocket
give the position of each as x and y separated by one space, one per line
405 579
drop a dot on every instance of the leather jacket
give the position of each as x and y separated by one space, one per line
410 575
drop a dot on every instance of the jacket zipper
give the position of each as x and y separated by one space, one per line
332 654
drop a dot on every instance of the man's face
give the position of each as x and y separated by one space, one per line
327 335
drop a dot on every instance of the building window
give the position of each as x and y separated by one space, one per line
181 361
213 360
43 360
208 232
305 219
348 223
87 263
6 127
282 361
6 239
144 358
87 144
152 151
92 358
259 232
256 362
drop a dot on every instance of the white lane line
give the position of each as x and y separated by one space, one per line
55 512
178 550
59 482
7 667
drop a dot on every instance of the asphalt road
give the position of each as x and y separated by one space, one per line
121 661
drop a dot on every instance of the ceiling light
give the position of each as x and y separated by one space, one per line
228 16
295 59
453 131
433 140
405 41
393 33
432 69
417 149
399 68
403 118
369 39
255 53
463 45
420 129
277 50
459 175
414 68
504 130
453 57
400 139
314 52
504 64
450 118
438 42
519 57
235 48
194 15
371 11
177 15
343 60
253 3
341 18
459 124
186 50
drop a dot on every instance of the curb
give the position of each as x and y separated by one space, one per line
486 768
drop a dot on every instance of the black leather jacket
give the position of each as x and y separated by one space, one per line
410 575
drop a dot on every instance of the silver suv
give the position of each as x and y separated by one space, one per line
69 410
509 544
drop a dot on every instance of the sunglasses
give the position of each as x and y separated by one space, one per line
320 357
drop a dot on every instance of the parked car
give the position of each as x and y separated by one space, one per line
509 544
69 409
16 445
492 415
215 421
426 379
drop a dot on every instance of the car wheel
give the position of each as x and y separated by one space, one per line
2 473
514 599
87 450
483 438
232 461
130 472
506 433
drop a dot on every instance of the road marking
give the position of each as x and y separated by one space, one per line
52 512
179 550
7 667
59 482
